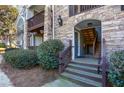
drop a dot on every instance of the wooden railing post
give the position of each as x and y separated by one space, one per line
104 72
104 65
62 56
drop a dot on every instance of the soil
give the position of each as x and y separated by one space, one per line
34 77
109 84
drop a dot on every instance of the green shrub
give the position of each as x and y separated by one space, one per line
116 70
21 58
2 45
117 59
48 52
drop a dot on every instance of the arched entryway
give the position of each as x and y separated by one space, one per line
87 39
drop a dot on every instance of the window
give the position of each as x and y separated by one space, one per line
122 7
76 9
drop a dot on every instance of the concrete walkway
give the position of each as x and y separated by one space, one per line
60 82
4 80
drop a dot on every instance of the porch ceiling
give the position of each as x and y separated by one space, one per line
40 29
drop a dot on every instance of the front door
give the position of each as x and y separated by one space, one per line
76 44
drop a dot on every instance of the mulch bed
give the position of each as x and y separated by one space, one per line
34 77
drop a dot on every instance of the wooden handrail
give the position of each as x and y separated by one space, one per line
104 65
62 56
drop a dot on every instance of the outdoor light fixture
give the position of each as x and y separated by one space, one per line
90 24
60 21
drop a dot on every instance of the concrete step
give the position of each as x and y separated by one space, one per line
83 81
84 72
82 67
89 61
84 76
86 64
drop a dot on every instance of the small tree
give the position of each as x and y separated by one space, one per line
8 15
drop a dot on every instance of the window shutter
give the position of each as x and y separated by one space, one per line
71 10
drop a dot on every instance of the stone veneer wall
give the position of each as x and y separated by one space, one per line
48 23
112 20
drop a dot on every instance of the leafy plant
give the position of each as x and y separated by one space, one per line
48 52
2 45
115 78
116 70
20 58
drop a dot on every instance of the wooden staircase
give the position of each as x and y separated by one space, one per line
83 74
89 39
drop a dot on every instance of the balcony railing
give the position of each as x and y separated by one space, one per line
36 21
77 9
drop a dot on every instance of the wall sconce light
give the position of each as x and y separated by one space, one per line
60 21
90 24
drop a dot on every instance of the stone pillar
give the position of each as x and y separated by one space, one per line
48 23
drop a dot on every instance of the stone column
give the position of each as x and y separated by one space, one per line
48 23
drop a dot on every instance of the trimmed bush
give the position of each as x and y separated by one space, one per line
2 45
21 58
48 52
116 70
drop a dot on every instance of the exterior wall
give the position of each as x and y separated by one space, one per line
33 8
23 11
64 32
111 18
20 26
48 34
30 14
33 39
